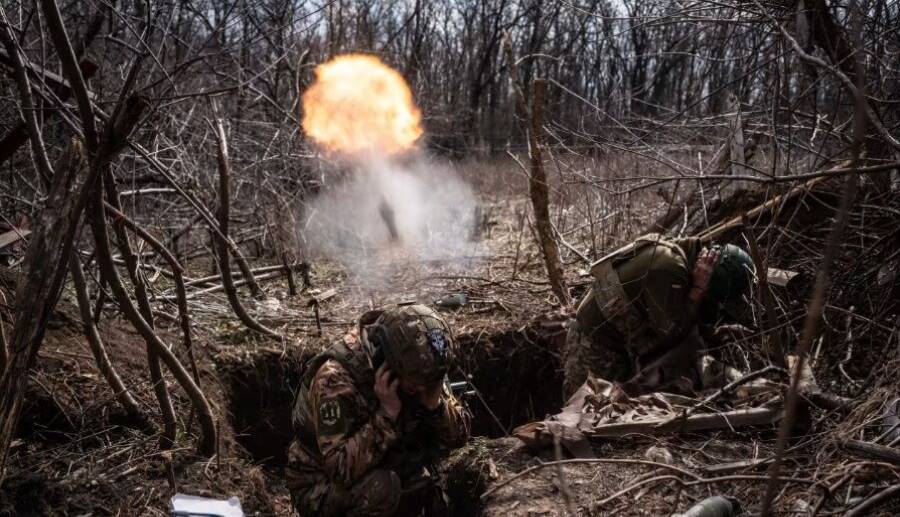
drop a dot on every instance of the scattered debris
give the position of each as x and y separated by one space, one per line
591 413
781 277
659 455
716 506
12 236
452 301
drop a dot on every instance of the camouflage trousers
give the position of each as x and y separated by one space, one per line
601 356
595 354
377 494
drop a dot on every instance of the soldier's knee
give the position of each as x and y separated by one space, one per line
376 495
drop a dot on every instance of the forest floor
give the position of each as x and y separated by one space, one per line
75 454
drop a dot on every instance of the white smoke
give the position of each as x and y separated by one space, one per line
433 210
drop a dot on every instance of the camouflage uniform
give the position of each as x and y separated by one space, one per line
349 457
613 333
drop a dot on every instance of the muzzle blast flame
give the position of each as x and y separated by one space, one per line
359 105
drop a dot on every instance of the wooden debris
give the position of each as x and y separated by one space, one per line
12 236
317 300
809 388
872 451
780 277
732 466
289 274
716 231
321 297
698 422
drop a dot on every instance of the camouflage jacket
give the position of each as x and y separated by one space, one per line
341 431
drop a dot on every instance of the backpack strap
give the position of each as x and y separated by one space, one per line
354 361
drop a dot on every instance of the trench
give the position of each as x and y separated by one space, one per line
516 374
261 387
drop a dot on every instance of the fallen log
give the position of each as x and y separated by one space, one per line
235 274
866 507
220 287
12 236
732 466
699 422
872 451
736 222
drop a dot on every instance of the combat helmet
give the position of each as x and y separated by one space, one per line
416 342
730 279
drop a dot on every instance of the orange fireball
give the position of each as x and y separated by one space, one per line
357 104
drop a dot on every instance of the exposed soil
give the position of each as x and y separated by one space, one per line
261 386
76 453
517 376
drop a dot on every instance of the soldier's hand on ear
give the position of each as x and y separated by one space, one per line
386 384
703 270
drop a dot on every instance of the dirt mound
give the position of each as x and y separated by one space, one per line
75 453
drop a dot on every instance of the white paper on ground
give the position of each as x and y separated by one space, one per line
183 505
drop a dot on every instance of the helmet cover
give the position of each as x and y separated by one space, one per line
731 279
416 341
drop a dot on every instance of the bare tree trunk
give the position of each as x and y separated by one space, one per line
46 262
4 346
537 180
170 429
205 214
540 198
51 243
820 290
111 276
220 245
129 404
736 151
184 317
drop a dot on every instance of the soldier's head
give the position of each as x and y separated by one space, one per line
415 342
729 285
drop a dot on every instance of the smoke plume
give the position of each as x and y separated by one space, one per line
389 205
432 210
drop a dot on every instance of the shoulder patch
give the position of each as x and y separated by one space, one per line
332 416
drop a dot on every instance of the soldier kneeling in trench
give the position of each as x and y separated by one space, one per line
638 323
373 415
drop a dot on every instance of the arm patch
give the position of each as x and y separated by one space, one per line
332 416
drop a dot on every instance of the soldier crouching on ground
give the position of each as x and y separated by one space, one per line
638 323
371 418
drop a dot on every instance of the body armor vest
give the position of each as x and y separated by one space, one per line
615 305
